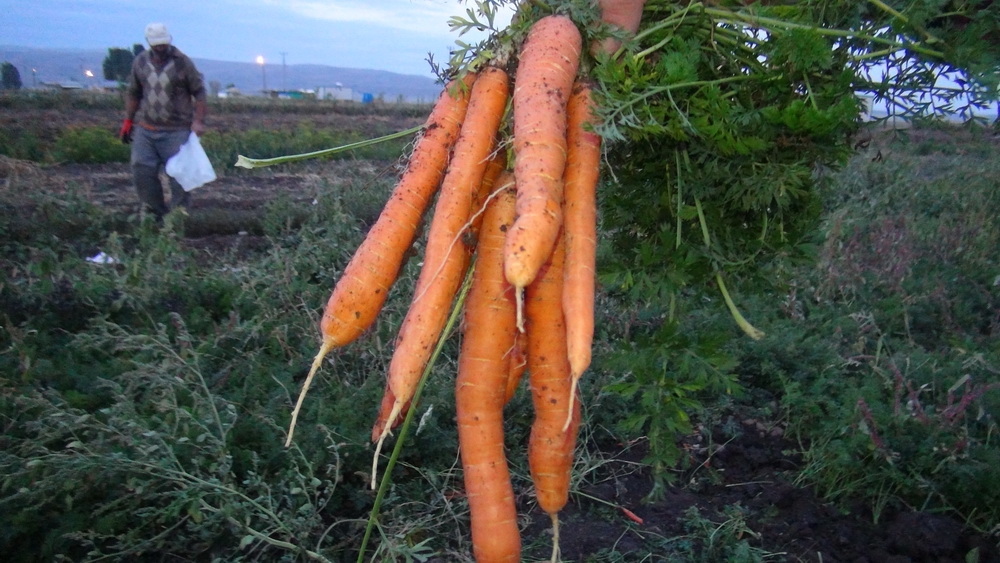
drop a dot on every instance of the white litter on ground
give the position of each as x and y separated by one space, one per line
102 258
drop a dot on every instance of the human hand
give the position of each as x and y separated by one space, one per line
624 14
125 133
198 127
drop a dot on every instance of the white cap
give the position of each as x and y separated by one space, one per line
157 34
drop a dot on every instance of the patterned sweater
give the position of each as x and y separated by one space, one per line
166 95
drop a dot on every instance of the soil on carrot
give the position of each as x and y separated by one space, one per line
741 484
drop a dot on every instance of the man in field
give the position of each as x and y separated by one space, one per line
164 103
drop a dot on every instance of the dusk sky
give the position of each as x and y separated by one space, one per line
393 35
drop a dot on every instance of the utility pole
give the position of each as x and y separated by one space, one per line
263 74
283 86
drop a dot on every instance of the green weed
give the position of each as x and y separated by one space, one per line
50 142
89 145
145 401
171 381
153 469
667 372
885 353
25 146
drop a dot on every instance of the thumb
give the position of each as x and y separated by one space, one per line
624 14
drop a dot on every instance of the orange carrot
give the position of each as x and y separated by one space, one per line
547 68
518 363
362 289
518 354
489 330
550 447
446 256
493 170
496 167
632 516
388 401
583 160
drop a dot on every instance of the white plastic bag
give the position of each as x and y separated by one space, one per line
190 166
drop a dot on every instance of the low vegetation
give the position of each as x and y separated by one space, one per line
892 375
50 138
145 401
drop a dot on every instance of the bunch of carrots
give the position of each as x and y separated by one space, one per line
527 232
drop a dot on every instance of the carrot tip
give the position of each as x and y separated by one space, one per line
378 450
575 380
317 361
556 555
397 407
519 297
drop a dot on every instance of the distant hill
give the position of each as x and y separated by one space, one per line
70 66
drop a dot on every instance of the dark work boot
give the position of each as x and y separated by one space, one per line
149 189
179 199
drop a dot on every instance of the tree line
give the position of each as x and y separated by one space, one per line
116 66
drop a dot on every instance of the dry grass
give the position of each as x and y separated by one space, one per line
12 169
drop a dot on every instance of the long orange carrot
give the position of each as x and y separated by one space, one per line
364 285
496 167
583 163
550 447
518 351
446 256
518 365
547 68
483 362
493 169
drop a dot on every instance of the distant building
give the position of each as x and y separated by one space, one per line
293 94
336 92
64 85
230 92
70 84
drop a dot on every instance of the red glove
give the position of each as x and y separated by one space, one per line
125 134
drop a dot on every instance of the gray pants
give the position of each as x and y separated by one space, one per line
150 151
